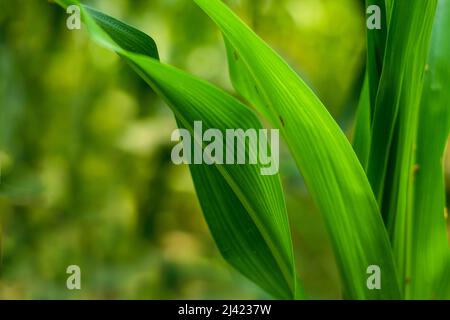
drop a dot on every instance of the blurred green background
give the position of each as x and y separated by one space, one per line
86 176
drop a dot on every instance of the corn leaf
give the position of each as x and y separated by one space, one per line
326 159
395 122
245 210
376 44
389 4
404 63
430 254
362 130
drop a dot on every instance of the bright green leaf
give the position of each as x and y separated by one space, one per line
331 169
394 128
245 210
431 252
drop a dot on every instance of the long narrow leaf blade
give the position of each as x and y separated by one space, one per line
431 254
363 121
408 38
245 210
376 44
395 123
331 169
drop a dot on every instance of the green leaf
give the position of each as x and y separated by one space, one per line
431 252
329 165
245 210
407 47
376 44
114 34
389 4
129 38
394 128
362 131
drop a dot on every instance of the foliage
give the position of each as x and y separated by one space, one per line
382 199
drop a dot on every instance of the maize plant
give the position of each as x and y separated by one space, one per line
381 194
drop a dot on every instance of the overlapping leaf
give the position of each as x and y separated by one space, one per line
331 169
245 211
430 259
363 125
410 185
404 63
394 127
376 44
